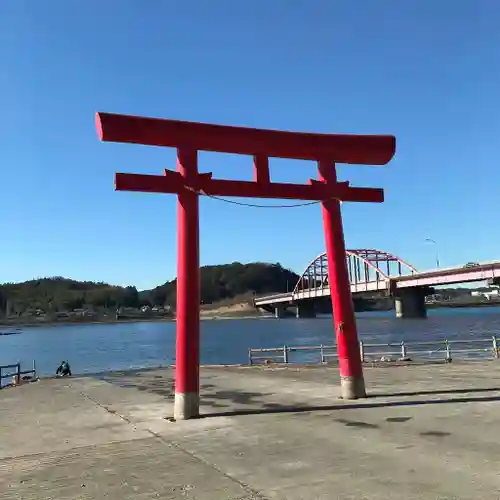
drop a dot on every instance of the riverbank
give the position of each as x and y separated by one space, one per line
458 304
266 432
65 322
207 317
234 311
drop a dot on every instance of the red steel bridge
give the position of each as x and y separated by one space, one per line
377 272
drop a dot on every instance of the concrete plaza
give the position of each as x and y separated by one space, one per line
425 432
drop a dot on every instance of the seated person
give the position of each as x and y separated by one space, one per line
64 369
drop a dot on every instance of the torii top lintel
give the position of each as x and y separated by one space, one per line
353 149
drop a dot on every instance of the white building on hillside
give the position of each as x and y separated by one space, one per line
488 295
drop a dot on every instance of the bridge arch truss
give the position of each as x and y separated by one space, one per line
368 270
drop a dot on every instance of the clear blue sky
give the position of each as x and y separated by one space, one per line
425 71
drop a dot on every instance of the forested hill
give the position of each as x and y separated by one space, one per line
217 283
230 280
62 294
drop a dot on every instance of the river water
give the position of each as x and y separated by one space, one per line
97 348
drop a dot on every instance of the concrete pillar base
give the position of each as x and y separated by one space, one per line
280 312
410 303
352 387
305 310
186 405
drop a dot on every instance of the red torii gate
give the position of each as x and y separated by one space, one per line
189 138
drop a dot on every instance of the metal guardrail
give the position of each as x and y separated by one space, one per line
15 372
403 351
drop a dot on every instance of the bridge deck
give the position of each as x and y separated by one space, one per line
269 433
431 278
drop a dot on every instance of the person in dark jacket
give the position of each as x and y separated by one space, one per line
64 369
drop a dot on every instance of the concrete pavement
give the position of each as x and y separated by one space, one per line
426 432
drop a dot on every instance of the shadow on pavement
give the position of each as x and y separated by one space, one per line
274 408
429 393
259 403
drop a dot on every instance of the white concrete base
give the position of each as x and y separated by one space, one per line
186 405
410 303
352 387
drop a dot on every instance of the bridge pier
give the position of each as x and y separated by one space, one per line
306 309
280 311
494 281
410 303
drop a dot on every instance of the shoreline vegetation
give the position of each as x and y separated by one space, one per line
216 312
226 292
60 300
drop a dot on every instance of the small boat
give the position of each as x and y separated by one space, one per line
10 333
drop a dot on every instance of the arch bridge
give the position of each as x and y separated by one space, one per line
375 272
369 270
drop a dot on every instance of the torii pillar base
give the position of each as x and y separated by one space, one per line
352 387
186 406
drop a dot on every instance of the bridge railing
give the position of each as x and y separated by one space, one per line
445 350
272 296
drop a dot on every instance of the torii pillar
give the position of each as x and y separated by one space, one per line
187 183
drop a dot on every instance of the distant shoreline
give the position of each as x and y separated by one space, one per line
455 305
210 315
62 322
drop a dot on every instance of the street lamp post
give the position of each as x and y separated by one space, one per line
430 240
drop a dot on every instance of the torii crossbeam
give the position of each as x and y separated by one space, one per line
187 183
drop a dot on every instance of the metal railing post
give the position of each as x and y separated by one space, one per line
448 351
34 369
285 354
362 351
431 350
18 373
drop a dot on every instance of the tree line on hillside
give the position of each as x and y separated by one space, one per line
230 280
61 294
217 283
